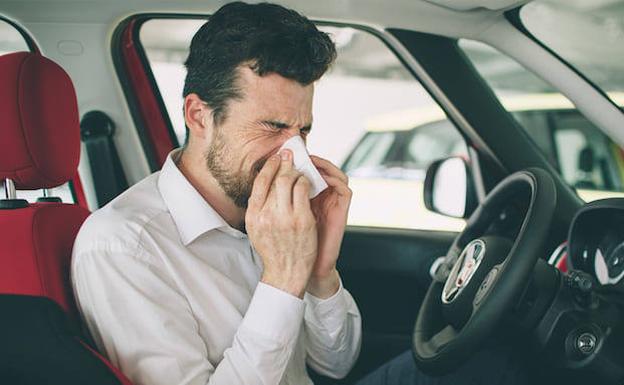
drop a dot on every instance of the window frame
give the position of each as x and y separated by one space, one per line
148 112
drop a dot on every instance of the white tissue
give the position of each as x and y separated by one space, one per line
303 164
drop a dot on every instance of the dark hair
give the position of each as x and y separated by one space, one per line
271 38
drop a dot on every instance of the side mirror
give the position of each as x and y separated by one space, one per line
449 188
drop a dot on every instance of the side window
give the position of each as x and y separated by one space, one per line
11 40
372 152
371 118
587 159
431 142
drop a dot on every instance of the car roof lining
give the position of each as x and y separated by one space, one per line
468 5
419 15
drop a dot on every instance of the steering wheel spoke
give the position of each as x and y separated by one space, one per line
443 338
487 286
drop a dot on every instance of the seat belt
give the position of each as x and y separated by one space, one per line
96 131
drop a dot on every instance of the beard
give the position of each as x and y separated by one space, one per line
236 184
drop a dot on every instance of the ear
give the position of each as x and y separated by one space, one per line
198 118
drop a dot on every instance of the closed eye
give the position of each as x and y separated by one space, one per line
276 125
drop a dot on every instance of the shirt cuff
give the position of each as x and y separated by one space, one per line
329 313
274 313
314 301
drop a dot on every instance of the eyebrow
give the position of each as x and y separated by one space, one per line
283 125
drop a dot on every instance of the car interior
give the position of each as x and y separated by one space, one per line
500 227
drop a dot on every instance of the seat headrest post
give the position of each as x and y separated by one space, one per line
47 198
10 201
9 189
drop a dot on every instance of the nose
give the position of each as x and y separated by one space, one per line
289 133
293 131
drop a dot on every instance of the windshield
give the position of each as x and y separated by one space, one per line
588 34
587 159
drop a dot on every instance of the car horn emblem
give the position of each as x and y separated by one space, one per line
465 267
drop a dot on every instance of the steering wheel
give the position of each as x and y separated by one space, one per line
483 273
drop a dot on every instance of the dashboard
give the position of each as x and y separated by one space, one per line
596 242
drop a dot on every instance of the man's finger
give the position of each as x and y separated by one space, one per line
283 186
329 168
284 181
263 182
286 165
338 185
301 190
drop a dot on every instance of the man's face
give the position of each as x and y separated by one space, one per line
272 110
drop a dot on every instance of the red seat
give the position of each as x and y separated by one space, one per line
40 148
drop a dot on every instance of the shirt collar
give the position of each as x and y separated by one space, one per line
193 216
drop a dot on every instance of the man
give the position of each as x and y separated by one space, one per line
218 269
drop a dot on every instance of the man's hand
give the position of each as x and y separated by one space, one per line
281 225
330 208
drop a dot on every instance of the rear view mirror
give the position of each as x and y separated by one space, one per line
449 188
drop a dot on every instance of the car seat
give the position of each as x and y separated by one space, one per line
40 338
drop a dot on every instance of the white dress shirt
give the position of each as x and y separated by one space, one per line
171 295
